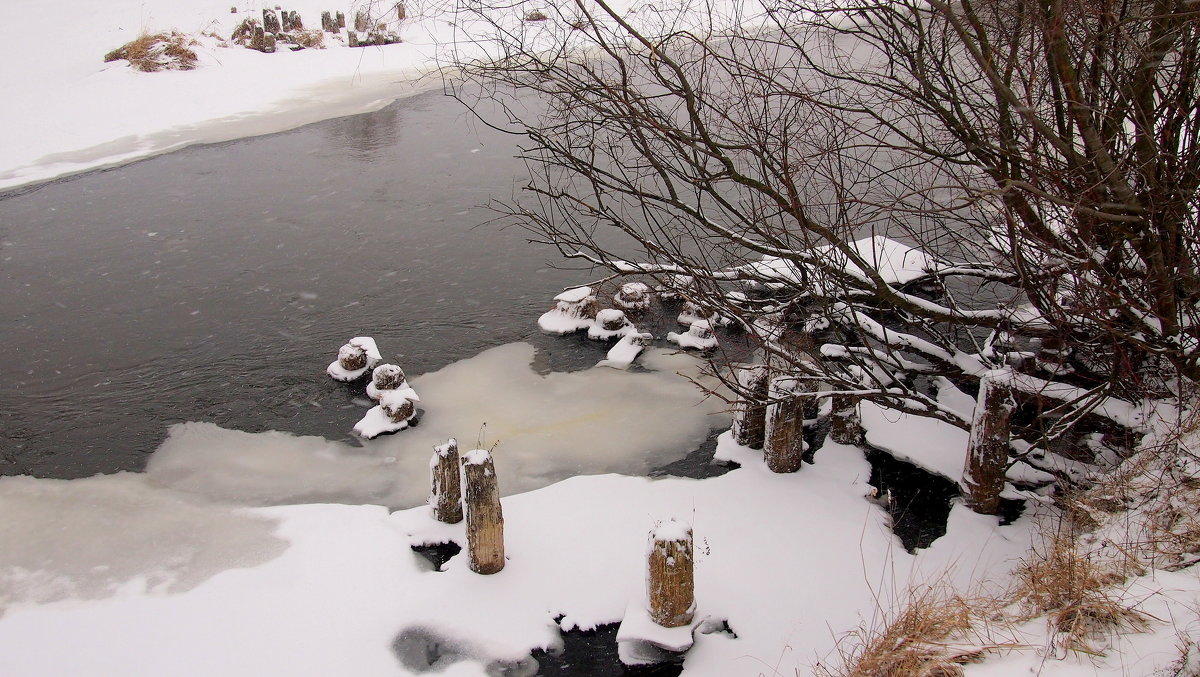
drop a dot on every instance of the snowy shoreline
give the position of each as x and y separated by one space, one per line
72 113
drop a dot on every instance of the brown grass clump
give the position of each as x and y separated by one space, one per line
155 52
1074 590
313 39
930 636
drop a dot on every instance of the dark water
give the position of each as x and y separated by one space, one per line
215 283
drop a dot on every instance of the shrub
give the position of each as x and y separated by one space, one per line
155 52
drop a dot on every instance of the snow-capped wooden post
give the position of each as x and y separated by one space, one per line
360 21
341 20
258 40
749 415
400 11
485 518
327 23
670 584
269 43
844 424
987 447
446 496
285 20
297 24
784 445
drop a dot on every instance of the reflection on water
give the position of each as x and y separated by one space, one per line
366 137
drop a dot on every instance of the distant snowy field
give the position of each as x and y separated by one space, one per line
67 111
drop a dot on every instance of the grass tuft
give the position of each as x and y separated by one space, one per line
932 635
156 52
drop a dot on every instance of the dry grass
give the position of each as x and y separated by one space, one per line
156 52
1074 590
313 39
933 634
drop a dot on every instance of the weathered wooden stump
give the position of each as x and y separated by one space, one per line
352 38
361 21
612 319
398 409
844 424
750 414
270 21
341 20
987 447
297 24
633 297
285 19
401 13
670 584
485 518
446 495
350 356
233 10
326 22
387 377
784 445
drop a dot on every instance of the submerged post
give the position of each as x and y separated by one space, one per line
987 447
446 496
485 518
750 414
670 584
844 424
784 444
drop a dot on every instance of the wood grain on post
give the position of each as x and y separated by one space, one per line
749 414
670 583
784 445
485 518
845 426
446 496
987 447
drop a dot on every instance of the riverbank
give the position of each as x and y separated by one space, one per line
68 111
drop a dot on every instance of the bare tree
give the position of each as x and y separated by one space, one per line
1037 160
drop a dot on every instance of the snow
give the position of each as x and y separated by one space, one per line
625 351
345 586
927 443
895 262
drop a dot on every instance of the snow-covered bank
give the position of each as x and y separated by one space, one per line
68 111
347 586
